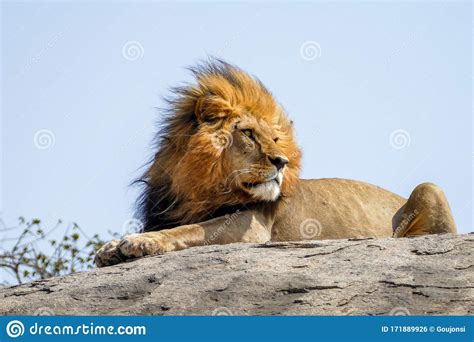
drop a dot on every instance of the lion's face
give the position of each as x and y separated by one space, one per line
255 163
241 158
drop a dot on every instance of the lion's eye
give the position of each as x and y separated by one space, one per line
276 139
248 132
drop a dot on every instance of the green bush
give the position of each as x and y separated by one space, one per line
34 255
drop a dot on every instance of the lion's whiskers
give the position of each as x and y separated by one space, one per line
239 172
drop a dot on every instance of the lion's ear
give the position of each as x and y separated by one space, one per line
211 108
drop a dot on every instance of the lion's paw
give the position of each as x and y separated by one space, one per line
139 245
108 254
132 246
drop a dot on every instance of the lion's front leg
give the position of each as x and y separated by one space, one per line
248 226
153 243
150 243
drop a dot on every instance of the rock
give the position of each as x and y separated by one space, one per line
429 275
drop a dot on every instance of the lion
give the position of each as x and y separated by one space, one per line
227 170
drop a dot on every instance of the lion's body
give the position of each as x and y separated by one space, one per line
227 170
335 209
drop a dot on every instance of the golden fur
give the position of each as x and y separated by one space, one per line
227 170
194 174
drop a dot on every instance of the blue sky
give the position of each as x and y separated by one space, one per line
379 92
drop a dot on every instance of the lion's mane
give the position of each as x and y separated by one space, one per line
174 193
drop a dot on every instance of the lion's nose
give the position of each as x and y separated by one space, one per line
278 161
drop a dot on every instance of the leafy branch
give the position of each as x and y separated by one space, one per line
26 261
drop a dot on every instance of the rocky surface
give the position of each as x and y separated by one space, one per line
431 275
